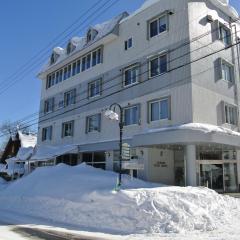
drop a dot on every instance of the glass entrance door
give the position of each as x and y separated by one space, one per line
211 176
230 177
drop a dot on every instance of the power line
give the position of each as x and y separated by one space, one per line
188 42
119 75
11 84
14 81
142 82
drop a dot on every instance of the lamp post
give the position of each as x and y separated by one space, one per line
112 115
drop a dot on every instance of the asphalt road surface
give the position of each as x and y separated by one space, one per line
40 234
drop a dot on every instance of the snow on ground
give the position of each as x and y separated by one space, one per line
83 197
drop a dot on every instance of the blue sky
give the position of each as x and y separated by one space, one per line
28 26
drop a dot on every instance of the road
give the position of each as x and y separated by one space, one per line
15 232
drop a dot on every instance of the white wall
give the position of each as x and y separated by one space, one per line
160 166
208 91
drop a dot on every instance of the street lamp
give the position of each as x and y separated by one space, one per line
113 115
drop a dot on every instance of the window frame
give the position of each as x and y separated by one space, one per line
99 116
100 88
232 70
45 135
63 128
131 67
83 63
158 56
227 116
138 106
157 18
168 98
72 91
224 27
47 105
127 43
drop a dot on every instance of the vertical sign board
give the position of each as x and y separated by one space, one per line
126 151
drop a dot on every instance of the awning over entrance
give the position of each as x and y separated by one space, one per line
102 146
45 153
188 133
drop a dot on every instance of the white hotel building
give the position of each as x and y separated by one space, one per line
174 68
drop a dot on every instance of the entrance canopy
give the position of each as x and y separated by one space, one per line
45 153
188 133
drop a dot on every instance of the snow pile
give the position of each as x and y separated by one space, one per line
206 128
3 184
2 181
84 196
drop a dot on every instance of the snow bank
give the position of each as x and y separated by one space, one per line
2 181
84 196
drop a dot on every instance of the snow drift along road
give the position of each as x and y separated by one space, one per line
84 196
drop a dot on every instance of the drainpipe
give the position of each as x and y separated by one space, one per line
237 73
236 69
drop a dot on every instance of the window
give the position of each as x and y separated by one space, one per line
131 75
50 80
52 60
47 133
70 48
158 65
159 110
93 123
94 88
70 97
157 26
83 64
67 129
225 34
49 105
91 34
65 74
95 159
230 114
96 57
131 115
74 69
78 66
227 71
61 104
59 76
88 61
69 71
91 59
128 44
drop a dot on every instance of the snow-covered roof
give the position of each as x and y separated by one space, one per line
225 6
206 128
222 4
27 140
44 153
25 153
81 43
